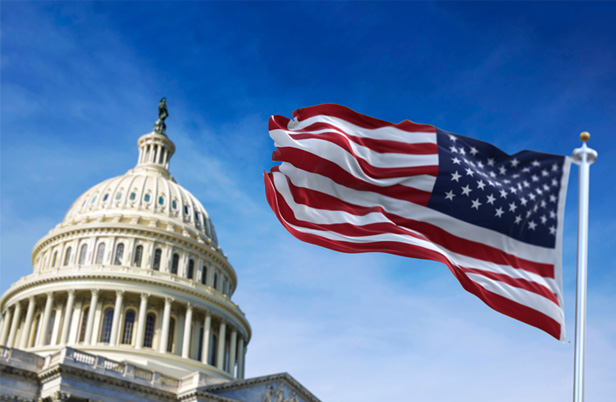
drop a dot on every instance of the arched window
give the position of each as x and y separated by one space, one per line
170 340
100 253
174 263
52 319
215 280
82 254
191 269
54 258
150 323
106 327
203 275
84 324
138 254
37 322
157 254
129 323
119 254
67 256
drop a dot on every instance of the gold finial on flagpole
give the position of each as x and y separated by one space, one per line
584 136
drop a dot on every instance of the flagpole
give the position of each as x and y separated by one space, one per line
583 157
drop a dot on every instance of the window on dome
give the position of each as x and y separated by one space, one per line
93 200
84 324
215 282
54 258
67 256
119 254
174 263
171 333
129 323
203 274
174 204
197 221
82 254
138 254
100 253
161 200
106 327
146 198
156 265
37 321
186 209
191 269
52 319
150 323
118 196
105 197
132 196
83 204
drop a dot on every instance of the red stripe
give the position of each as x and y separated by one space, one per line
330 109
376 145
525 284
318 200
499 303
315 164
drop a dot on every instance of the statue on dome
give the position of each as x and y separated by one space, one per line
160 126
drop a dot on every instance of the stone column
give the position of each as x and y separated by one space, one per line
115 323
207 328
143 307
220 359
232 352
14 325
7 324
164 336
28 324
187 331
240 358
68 313
45 323
91 312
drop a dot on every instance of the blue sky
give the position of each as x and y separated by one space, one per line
81 81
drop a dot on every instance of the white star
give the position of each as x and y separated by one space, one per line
552 198
526 170
525 183
534 177
512 207
456 160
480 184
492 174
544 219
523 201
539 191
462 151
554 182
532 225
543 204
515 162
502 170
490 161
473 151
499 212
518 219
513 190
535 163
552 214
466 190
555 167
552 230
469 172
480 165
544 172
491 199
503 194
476 204
532 196
449 195
453 138
545 187
453 149
455 176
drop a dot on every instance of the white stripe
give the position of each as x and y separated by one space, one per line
382 133
329 150
409 210
522 296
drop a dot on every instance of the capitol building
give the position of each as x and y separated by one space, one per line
130 299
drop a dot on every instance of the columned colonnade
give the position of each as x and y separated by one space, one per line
122 319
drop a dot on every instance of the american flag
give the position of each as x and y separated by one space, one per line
353 183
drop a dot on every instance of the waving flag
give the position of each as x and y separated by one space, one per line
353 183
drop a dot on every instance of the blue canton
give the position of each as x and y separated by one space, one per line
516 195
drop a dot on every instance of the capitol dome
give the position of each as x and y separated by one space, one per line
133 273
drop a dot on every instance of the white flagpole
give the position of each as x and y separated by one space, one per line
583 157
